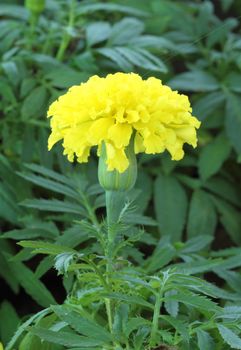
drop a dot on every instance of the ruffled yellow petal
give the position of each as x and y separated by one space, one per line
120 134
116 158
138 144
154 144
99 130
111 109
187 134
176 150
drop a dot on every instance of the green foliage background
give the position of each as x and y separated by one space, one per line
190 209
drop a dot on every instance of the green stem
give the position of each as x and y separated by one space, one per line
114 204
115 201
155 319
106 286
33 21
66 36
109 314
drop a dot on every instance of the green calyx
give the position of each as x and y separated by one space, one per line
35 6
113 180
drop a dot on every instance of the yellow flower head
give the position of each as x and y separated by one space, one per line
113 108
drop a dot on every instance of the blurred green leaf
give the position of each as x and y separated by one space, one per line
64 77
202 217
125 30
230 218
54 205
34 103
89 8
32 285
205 341
9 321
97 32
213 155
233 121
116 57
206 105
196 80
233 81
170 201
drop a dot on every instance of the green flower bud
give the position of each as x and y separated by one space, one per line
113 180
35 6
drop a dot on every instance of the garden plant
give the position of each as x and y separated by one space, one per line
120 212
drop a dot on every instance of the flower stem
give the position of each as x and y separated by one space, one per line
66 36
33 21
155 319
114 204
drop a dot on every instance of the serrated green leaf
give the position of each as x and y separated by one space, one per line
31 341
23 327
87 327
204 287
229 337
172 306
205 341
230 312
68 339
121 316
180 326
194 300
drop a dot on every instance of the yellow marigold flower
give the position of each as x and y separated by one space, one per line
111 109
